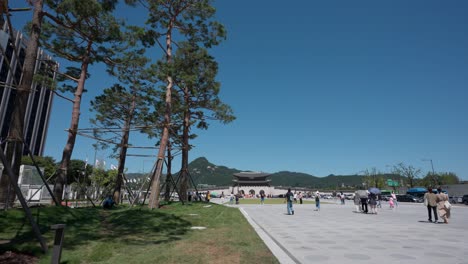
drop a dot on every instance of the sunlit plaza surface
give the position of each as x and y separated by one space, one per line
338 234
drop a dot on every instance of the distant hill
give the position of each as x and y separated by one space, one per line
208 173
205 172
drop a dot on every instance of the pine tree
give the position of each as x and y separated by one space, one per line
124 106
170 19
195 75
77 31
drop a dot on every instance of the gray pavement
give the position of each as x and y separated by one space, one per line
336 234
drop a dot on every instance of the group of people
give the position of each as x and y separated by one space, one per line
372 201
293 197
298 196
437 204
199 196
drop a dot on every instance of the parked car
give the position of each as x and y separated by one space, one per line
455 199
465 199
409 198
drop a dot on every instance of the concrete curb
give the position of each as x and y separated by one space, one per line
279 251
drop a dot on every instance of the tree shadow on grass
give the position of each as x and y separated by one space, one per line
87 225
80 225
134 226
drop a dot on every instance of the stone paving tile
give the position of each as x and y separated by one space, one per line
336 234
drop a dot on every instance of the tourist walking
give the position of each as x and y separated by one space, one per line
300 197
373 203
208 196
295 197
364 202
222 197
342 198
394 198
379 199
289 201
262 198
357 201
391 203
317 201
430 200
443 205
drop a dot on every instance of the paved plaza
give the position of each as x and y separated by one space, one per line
337 234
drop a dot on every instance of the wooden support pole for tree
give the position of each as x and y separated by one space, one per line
58 242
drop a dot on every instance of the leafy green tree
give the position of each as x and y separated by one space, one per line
78 170
171 19
440 178
78 30
103 180
14 149
373 178
409 172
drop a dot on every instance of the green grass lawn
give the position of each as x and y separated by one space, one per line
139 235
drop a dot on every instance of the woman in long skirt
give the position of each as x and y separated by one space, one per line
443 211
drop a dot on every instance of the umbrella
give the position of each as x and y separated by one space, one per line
362 193
374 190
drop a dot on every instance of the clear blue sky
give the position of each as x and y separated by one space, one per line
326 87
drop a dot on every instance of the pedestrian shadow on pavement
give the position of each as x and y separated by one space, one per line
427 222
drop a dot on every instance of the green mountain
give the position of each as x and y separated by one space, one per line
204 172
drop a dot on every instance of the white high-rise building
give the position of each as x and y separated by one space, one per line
12 55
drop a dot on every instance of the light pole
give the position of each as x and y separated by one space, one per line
432 165
433 176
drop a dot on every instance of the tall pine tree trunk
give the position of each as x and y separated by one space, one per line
61 179
14 149
184 173
155 188
123 149
167 192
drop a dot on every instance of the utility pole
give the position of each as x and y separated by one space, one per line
433 176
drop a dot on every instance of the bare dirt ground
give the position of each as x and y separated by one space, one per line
17 258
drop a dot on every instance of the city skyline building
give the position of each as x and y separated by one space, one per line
12 55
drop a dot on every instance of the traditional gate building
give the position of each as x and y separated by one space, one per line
252 183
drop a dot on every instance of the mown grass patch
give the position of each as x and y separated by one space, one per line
140 235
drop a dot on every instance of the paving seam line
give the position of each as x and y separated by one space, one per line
289 257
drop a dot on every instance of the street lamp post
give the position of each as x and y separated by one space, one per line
433 172
432 165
